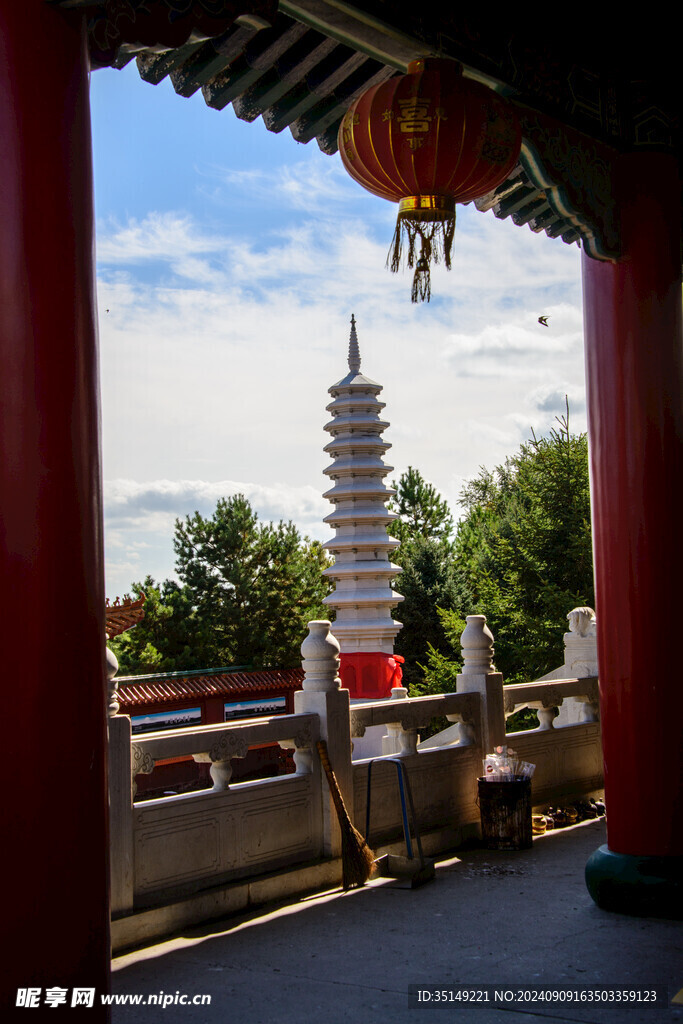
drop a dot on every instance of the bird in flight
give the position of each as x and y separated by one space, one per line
543 320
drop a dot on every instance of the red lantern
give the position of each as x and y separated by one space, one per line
427 140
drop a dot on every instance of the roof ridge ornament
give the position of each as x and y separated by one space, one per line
121 615
354 350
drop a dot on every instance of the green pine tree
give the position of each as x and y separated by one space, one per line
247 591
524 549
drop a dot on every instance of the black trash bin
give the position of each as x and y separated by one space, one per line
505 809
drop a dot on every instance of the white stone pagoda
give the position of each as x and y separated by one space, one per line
362 572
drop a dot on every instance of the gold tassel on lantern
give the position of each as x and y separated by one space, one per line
431 219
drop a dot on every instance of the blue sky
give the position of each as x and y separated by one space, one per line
230 260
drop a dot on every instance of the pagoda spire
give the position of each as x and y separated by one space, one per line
354 350
362 572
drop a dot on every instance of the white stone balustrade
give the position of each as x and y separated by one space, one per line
112 683
185 858
568 757
218 744
320 662
321 695
544 697
580 662
409 715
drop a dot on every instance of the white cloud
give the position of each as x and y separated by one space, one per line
140 518
217 353
553 398
312 186
160 236
134 500
224 319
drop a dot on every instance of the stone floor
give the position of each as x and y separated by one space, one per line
489 918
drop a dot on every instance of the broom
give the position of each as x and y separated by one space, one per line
357 857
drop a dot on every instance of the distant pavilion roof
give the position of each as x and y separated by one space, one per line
121 615
170 687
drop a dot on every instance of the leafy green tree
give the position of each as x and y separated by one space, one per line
247 591
254 586
423 513
524 549
442 666
428 581
166 638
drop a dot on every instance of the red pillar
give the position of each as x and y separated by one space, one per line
54 797
634 362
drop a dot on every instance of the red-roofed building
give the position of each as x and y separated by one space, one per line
169 700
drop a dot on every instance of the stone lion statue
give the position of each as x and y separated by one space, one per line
582 621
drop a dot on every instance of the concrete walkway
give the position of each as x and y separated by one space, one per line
489 918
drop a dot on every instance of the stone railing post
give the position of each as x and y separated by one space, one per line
220 758
479 675
322 695
391 743
120 800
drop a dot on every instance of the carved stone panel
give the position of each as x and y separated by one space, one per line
176 849
274 829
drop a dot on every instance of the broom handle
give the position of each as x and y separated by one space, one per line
337 798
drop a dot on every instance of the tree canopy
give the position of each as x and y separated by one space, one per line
429 580
429 583
247 592
422 512
524 549
165 640
521 556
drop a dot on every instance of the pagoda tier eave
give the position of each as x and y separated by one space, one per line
355 384
360 543
363 442
348 402
362 629
350 516
347 468
354 422
364 598
362 569
346 492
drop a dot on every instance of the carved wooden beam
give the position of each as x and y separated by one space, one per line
163 24
575 173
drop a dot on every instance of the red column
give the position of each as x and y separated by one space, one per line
54 797
634 362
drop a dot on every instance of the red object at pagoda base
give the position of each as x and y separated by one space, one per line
370 674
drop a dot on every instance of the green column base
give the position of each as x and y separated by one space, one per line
643 886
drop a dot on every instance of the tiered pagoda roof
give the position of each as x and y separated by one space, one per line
362 572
